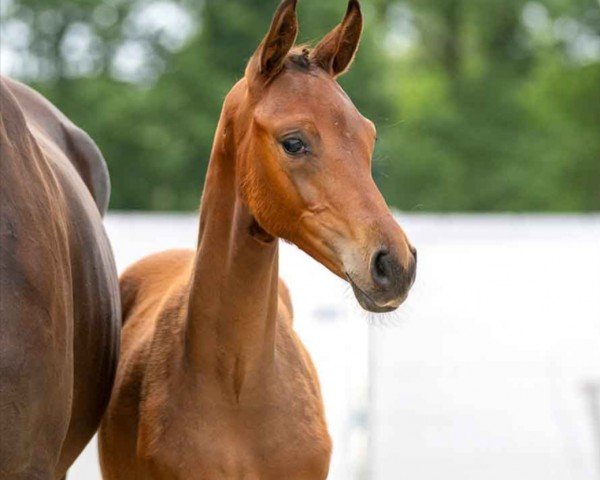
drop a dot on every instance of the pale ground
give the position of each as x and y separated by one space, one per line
481 374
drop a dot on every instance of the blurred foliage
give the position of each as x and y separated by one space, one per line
481 106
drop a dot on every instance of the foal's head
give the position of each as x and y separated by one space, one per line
304 160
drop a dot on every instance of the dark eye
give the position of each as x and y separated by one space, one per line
294 146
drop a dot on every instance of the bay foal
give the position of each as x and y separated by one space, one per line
213 383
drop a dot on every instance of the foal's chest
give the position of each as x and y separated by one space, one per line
250 448
281 437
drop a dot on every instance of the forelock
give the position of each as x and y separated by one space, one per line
299 58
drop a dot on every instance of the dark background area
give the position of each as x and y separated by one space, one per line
489 105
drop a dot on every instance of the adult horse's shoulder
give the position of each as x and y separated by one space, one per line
76 144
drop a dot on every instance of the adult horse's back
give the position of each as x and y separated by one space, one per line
59 300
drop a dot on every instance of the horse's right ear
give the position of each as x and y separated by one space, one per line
268 59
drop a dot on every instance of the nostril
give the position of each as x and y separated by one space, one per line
382 268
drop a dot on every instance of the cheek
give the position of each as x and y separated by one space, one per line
272 198
308 190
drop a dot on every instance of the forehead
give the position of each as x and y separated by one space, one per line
309 96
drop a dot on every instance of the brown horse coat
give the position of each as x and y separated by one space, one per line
59 300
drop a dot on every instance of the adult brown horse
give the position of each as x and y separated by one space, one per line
213 383
59 299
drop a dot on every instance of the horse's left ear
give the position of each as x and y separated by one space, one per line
336 51
270 55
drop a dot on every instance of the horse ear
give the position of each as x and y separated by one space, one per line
270 55
336 51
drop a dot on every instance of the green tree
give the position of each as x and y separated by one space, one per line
480 106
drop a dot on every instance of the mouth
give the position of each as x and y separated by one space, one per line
367 302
